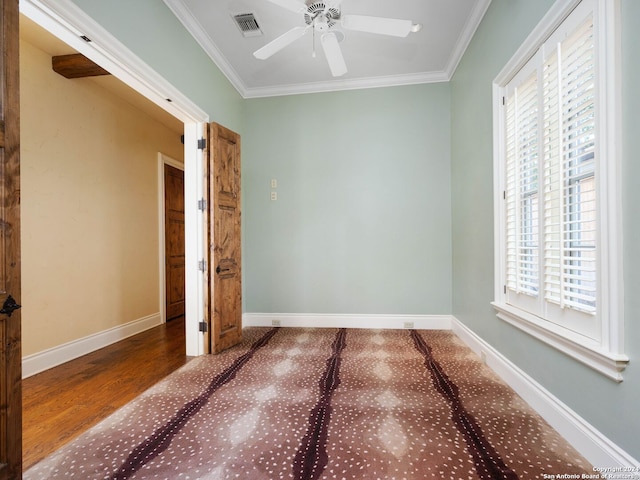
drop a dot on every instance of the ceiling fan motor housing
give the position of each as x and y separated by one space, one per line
315 10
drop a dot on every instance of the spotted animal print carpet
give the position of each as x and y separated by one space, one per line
307 404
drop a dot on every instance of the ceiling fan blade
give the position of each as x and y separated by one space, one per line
383 26
291 5
333 53
279 43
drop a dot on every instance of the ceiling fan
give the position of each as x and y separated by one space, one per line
323 16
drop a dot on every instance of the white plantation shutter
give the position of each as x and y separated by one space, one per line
569 170
510 196
550 195
553 202
558 249
522 186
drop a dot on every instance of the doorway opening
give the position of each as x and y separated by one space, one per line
171 234
139 78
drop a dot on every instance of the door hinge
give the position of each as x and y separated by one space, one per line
504 289
202 204
203 327
202 143
202 265
504 194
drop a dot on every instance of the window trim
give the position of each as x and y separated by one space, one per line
607 355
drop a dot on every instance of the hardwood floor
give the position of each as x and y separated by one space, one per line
61 403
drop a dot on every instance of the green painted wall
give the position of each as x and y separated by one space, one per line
385 196
151 31
363 223
610 407
362 220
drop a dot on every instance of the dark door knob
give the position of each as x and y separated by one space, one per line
9 306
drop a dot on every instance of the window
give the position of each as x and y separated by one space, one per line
558 271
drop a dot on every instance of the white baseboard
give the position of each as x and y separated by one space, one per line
593 445
421 322
52 357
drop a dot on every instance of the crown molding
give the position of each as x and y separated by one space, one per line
193 26
342 85
68 22
469 30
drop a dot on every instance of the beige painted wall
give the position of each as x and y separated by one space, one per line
89 206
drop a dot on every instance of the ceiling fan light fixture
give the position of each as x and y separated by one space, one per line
320 11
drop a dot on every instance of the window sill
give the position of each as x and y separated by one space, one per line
576 346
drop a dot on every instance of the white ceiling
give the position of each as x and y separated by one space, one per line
430 55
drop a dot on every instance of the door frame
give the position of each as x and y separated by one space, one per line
162 243
68 22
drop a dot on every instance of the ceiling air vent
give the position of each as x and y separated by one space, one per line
248 24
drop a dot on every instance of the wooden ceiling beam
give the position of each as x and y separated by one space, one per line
76 66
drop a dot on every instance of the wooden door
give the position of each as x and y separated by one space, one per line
10 342
174 241
224 299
